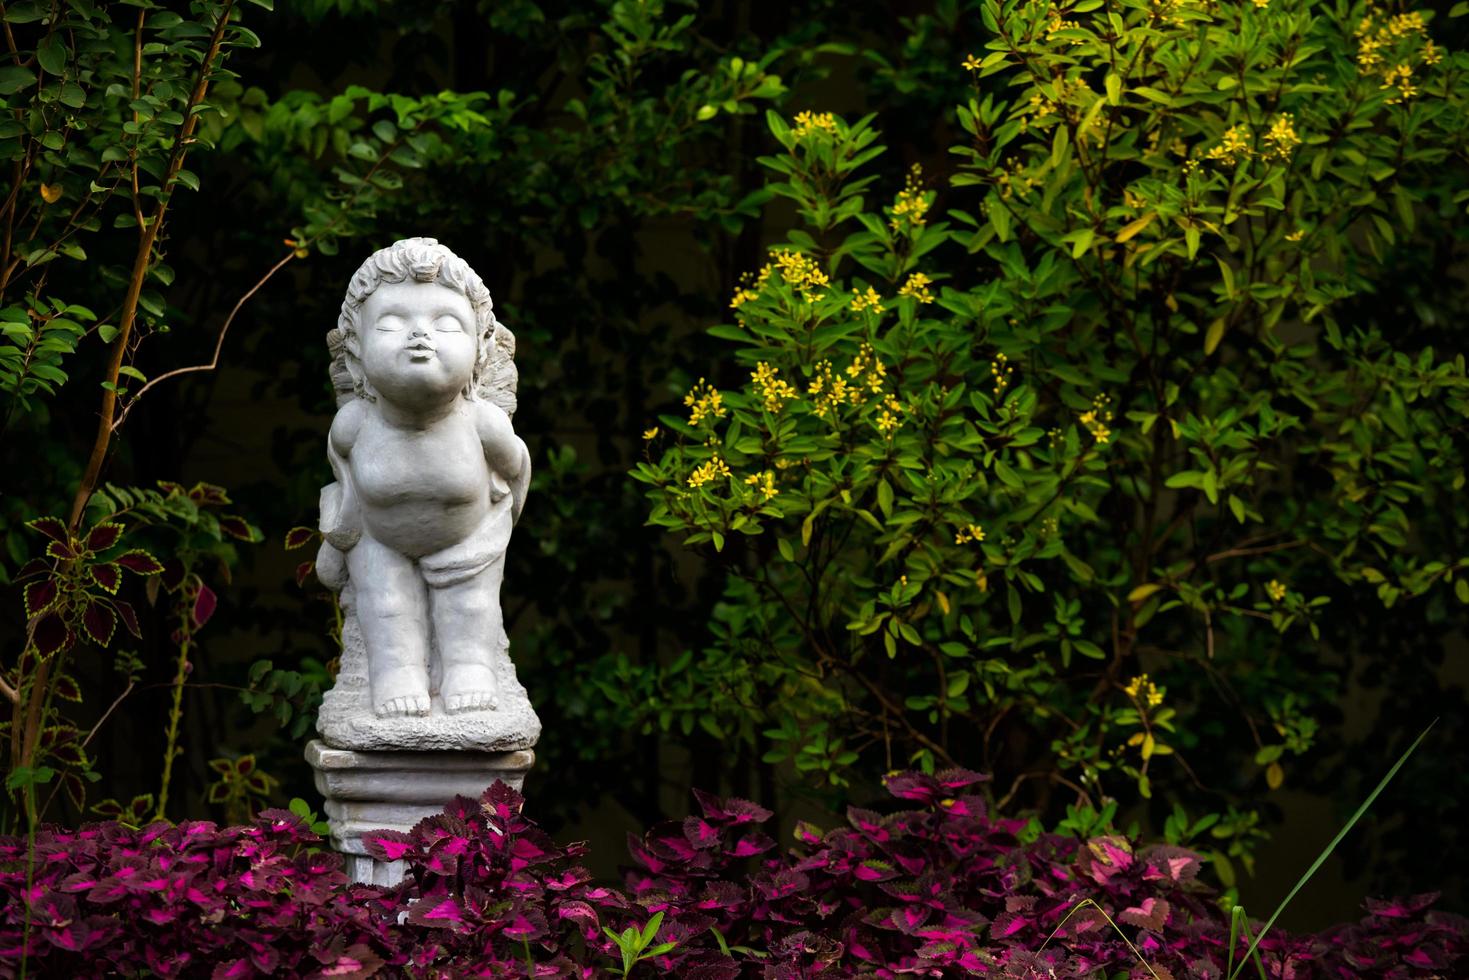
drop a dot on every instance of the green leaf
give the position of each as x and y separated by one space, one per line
51 53
14 78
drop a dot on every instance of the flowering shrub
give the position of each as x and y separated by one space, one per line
1052 460
940 888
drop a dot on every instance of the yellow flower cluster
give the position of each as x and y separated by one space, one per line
1399 77
1281 138
1389 46
650 434
799 272
1234 147
774 392
1140 688
704 402
829 390
764 484
888 420
814 123
741 296
917 287
1017 177
866 301
968 533
866 362
1096 418
1276 589
912 203
707 471
1001 370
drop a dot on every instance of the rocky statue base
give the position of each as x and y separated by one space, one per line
368 791
347 719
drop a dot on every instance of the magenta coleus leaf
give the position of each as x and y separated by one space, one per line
389 845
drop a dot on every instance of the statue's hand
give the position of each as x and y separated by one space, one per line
331 566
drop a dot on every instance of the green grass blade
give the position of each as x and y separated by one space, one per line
1254 953
1234 917
1321 858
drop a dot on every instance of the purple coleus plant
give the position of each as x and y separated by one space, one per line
940 888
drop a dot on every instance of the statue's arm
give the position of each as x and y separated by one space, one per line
341 524
505 452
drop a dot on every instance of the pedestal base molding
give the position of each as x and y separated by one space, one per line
368 791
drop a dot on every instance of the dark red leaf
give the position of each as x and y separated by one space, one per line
129 617
58 549
52 635
303 571
104 536
204 605
173 575
99 622
208 494
32 568
236 527
39 596
169 487
108 576
74 788
299 537
245 765
53 527
67 688
139 562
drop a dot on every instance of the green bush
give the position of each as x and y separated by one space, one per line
1055 466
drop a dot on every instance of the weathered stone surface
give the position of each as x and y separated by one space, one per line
347 721
430 480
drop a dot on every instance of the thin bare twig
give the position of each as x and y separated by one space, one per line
218 343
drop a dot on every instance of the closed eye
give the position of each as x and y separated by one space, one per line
390 323
448 324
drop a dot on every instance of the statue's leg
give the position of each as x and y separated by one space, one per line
468 626
392 607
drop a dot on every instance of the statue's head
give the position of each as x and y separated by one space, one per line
403 264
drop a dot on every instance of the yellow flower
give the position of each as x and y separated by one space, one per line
1401 78
1261 4
708 471
971 63
1275 589
650 434
1296 235
704 402
866 301
968 533
764 484
1140 688
886 422
774 392
814 123
1095 420
917 287
801 273
1233 147
742 296
1281 137
911 204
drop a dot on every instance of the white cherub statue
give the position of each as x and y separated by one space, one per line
430 477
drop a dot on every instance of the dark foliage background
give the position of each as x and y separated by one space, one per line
611 223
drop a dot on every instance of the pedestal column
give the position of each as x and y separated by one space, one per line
394 790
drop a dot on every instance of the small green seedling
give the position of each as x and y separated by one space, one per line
635 945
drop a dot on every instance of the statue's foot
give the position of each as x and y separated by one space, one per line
400 692
468 687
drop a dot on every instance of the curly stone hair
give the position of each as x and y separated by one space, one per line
424 260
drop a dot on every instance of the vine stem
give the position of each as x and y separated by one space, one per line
175 716
147 236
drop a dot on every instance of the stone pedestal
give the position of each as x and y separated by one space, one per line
394 790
